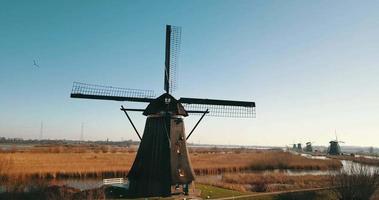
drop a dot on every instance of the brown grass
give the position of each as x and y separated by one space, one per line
60 165
358 182
269 182
52 163
217 163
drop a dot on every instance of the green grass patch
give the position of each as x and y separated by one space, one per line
309 195
211 192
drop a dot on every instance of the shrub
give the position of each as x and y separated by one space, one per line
260 186
358 182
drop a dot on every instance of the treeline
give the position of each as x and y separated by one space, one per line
21 141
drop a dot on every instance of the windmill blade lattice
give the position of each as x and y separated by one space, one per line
84 90
220 108
174 52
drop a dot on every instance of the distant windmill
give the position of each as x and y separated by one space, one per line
299 148
334 147
162 163
309 147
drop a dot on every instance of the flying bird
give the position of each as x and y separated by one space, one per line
35 63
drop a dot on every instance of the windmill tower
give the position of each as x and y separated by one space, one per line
162 160
334 147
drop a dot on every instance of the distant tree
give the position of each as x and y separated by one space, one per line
371 150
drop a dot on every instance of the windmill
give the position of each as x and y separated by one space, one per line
162 162
292 146
309 147
299 148
334 147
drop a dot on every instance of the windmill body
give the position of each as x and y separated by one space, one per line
334 148
162 161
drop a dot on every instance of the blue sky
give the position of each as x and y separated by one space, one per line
310 66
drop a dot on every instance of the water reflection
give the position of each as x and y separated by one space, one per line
82 184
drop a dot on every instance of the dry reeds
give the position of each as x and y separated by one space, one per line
269 182
358 182
218 163
64 165
64 162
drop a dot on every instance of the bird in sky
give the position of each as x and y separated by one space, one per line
35 63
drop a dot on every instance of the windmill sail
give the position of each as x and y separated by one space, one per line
220 108
91 91
173 40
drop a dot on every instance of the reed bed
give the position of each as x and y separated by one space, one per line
218 163
112 163
268 182
65 165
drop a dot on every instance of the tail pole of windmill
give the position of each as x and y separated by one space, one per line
162 164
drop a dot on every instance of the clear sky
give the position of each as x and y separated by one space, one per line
310 66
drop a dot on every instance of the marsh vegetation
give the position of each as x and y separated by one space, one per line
38 170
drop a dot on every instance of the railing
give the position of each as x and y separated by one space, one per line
111 181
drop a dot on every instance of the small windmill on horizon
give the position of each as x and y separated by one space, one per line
162 164
309 146
334 146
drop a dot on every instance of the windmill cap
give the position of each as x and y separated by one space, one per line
165 103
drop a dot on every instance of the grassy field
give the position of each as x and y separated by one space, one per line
216 163
268 182
212 192
55 163
307 195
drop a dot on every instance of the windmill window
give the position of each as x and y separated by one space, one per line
181 138
181 173
178 151
167 100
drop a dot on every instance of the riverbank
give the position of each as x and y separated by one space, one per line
358 159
